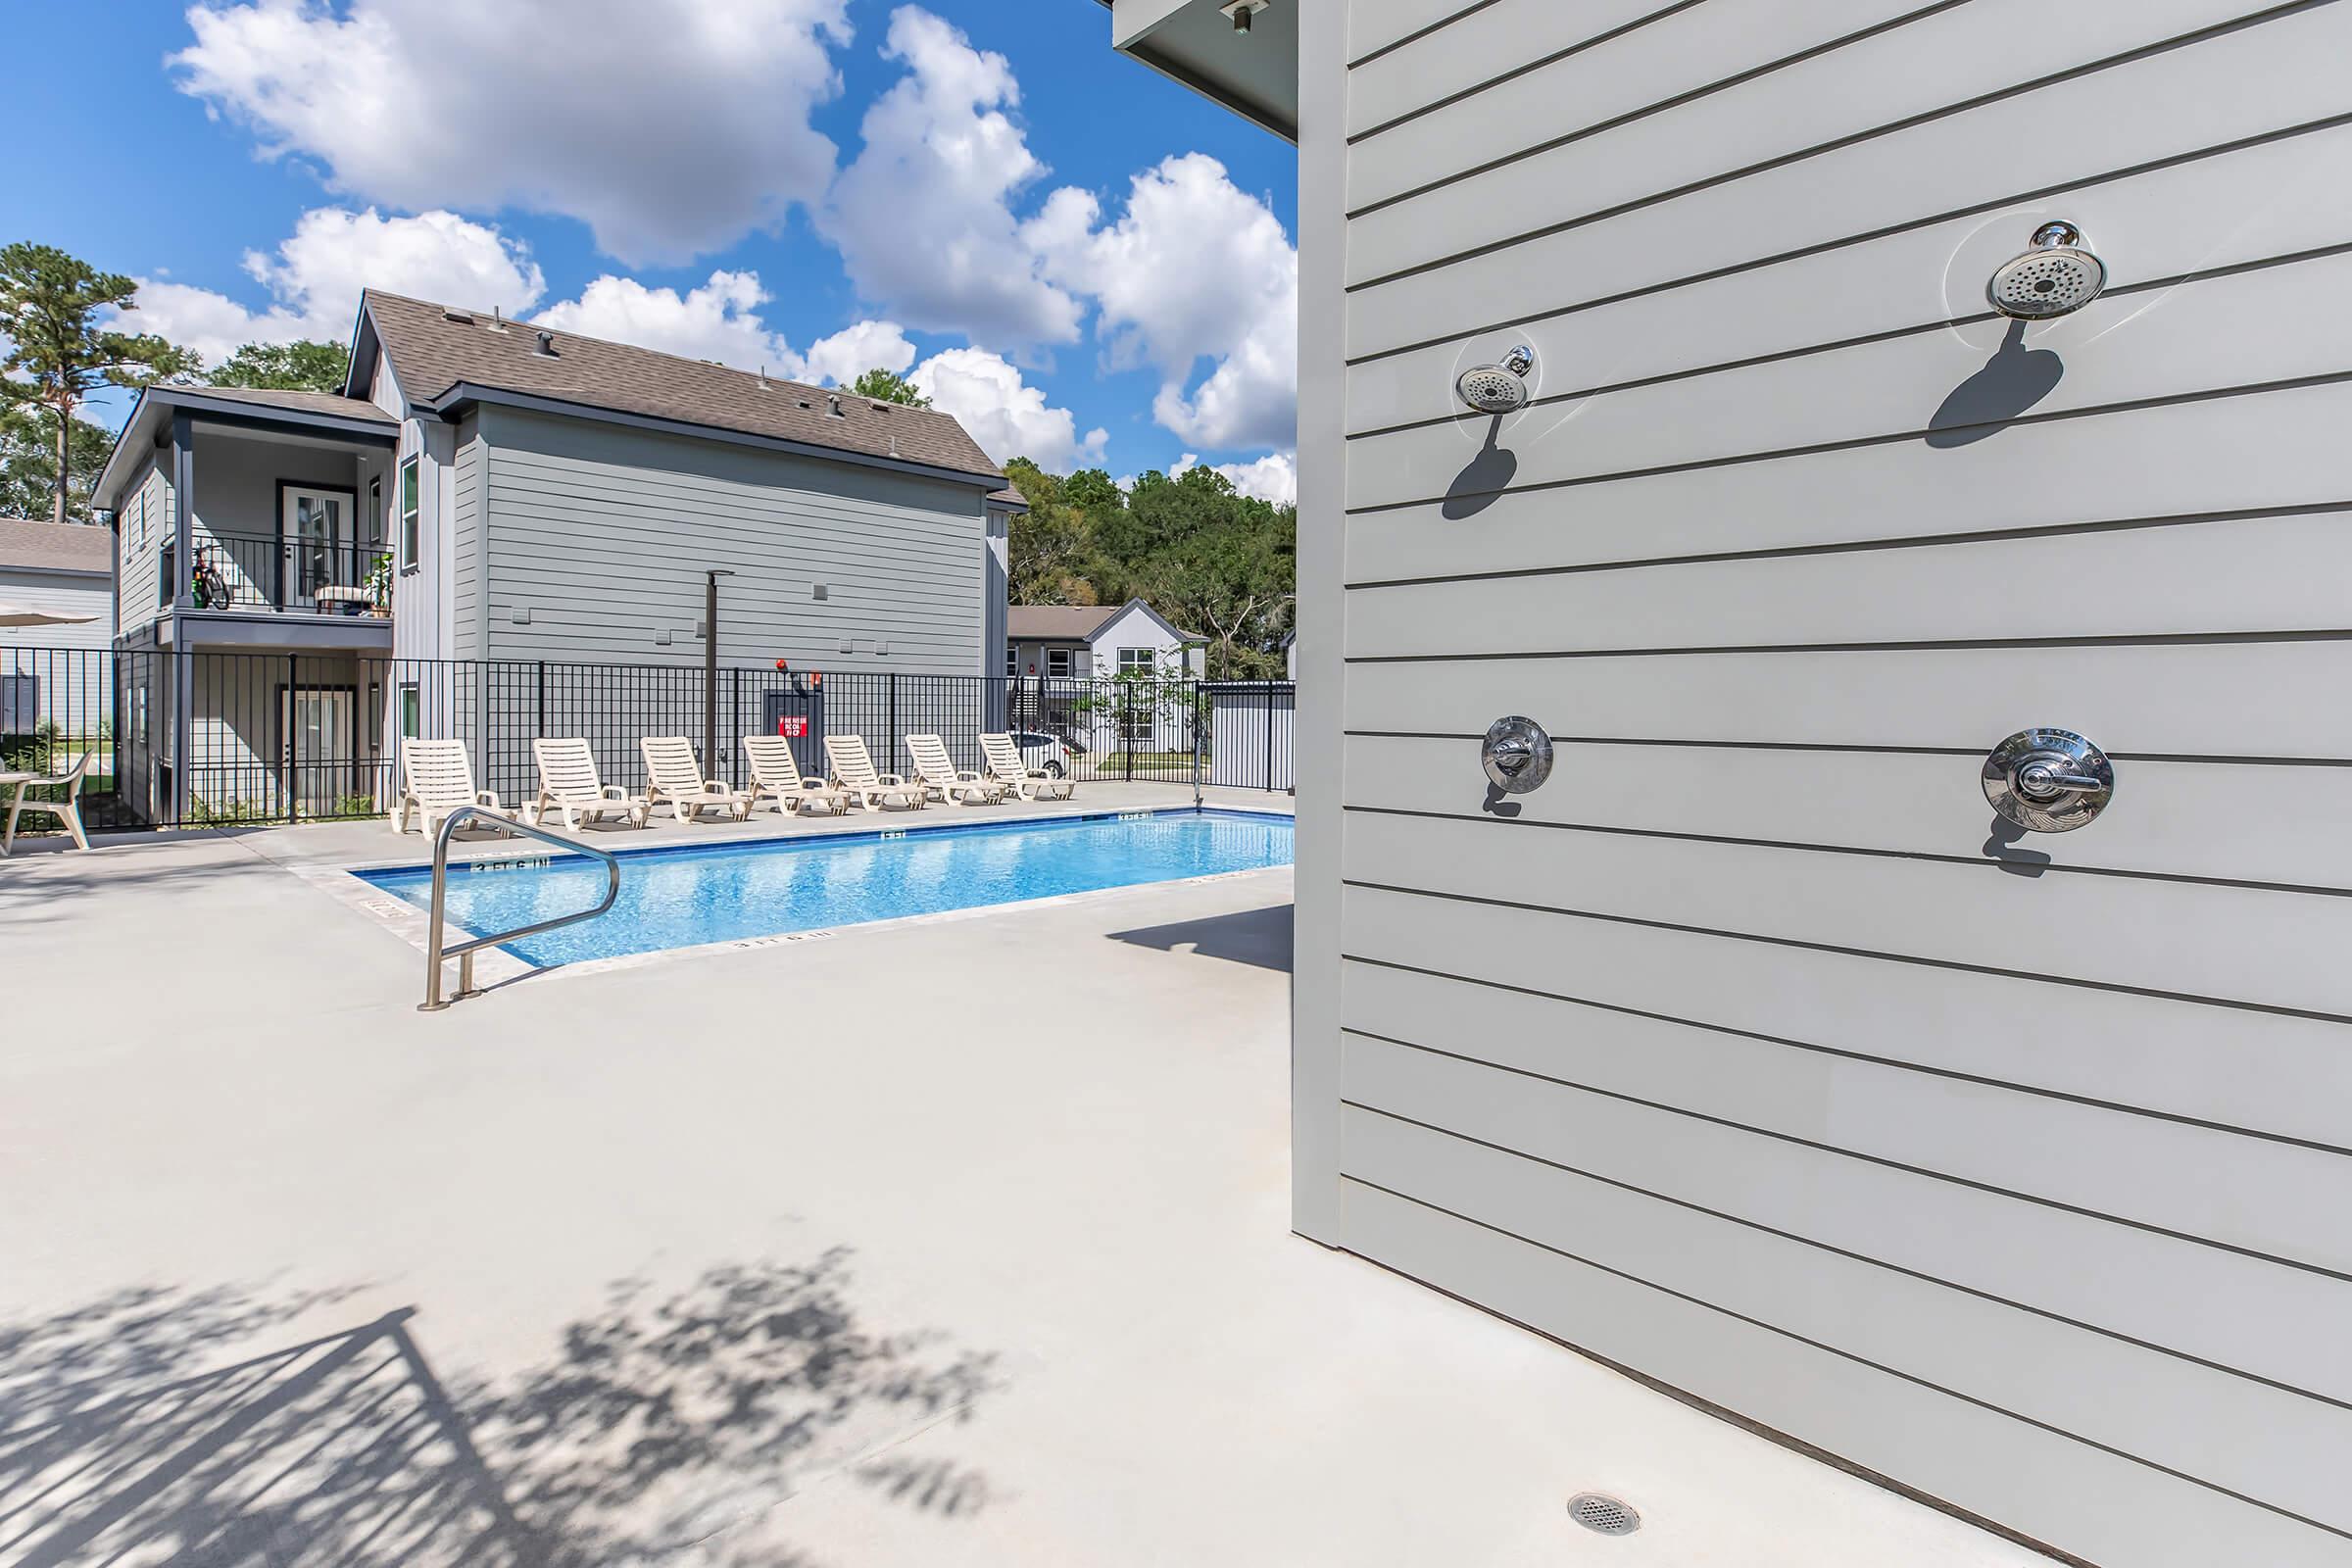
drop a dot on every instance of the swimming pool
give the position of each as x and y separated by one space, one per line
686 895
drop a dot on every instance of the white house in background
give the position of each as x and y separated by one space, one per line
1078 641
1047 646
63 569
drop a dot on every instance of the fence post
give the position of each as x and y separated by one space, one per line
1268 694
285 721
1127 725
893 723
543 697
735 726
1197 715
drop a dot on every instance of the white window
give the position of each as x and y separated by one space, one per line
407 515
1138 662
1013 660
1057 661
411 711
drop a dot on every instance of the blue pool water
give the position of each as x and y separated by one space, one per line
682 897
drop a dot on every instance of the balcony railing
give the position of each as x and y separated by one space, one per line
266 571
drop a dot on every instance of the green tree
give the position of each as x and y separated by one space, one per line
28 462
61 352
303 366
1050 557
1216 563
888 386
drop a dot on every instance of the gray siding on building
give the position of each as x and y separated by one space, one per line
602 534
1749 1053
143 528
469 605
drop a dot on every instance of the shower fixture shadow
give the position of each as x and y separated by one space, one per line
2011 383
1482 480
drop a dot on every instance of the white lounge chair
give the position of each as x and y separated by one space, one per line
436 777
938 773
776 772
569 786
854 770
673 774
1006 767
67 810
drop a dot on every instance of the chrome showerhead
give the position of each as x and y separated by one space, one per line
1497 388
2055 277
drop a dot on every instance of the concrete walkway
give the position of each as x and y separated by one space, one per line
951 1244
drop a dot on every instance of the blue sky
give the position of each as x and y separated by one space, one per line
948 188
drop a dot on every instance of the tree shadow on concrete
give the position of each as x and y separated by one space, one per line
657 1429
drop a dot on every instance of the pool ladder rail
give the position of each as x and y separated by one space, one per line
437 952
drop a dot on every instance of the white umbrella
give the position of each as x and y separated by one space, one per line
11 615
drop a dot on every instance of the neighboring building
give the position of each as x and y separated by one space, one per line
62 568
539 501
1754 1053
1079 641
1048 643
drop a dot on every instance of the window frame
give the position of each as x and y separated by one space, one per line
410 500
1146 664
1012 661
412 710
1063 653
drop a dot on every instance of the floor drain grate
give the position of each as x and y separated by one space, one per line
1603 1516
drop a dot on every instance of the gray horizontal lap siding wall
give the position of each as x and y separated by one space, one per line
604 535
1748 1055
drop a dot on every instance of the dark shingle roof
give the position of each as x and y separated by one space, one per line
433 348
333 403
1010 496
1051 623
56 546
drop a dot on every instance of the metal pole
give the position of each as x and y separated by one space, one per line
894 766
1197 705
710 665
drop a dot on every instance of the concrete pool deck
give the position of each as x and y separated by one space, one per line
960 1243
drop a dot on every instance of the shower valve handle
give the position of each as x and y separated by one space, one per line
2048 780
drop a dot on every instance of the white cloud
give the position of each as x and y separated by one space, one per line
721 320
718 321
1193 269
669 127
315 277
1273 478
857 347
921 217
1007 417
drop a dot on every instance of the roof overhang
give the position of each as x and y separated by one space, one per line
465 395
1193 42
151 416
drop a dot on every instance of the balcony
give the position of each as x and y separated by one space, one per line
269 572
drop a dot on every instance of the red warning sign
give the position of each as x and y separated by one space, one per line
792 726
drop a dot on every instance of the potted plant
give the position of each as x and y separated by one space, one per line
380 585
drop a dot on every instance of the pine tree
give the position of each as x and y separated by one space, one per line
59 351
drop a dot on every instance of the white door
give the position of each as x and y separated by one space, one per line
320 748
317 530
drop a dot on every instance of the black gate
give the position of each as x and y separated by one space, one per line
798 713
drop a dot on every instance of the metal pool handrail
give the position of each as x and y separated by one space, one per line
436 953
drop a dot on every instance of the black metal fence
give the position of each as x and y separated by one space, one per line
181 738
